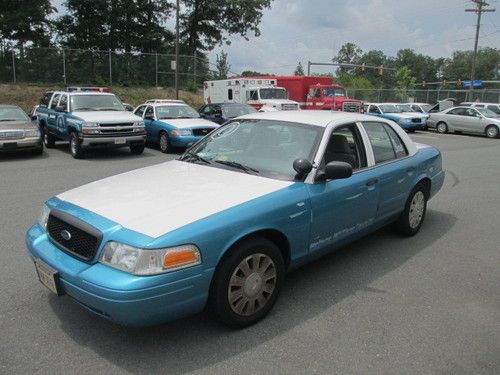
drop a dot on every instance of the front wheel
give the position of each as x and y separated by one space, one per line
137 149
48 139
75 147
165 146
492 131
442 128
411 219
247 283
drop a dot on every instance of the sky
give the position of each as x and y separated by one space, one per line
314 30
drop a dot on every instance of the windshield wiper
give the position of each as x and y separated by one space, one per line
108 109
10 119
85 109
186 117
237 165
190 156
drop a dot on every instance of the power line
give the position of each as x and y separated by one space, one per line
479 10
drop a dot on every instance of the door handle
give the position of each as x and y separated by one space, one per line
372 182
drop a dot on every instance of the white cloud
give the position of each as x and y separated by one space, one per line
302 30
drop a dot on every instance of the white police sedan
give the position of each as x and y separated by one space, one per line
221 225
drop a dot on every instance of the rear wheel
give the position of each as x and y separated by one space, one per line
411 219
165 146
247 283
48 139
492 131
75 147
442 128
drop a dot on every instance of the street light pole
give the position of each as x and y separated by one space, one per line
479 10
177 51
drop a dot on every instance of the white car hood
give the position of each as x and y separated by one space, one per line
159 199
415 115
107 117
277 101
185 123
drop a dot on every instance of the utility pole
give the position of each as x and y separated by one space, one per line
177 51
479 10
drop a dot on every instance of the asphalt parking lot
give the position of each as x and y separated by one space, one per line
383 305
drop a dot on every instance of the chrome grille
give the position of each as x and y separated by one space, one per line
351 107
118 128
201 131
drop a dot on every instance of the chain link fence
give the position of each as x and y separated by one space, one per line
424 96
77 66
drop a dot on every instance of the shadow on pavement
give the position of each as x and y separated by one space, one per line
196 342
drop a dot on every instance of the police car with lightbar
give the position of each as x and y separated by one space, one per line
89 117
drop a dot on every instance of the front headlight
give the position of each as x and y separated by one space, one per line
149 261
32 133
139 123
181 132
44 217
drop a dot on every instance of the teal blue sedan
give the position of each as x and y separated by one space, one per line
219 227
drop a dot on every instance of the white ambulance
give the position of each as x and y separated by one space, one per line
262 94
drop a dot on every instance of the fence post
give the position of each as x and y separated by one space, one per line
379 91
64 66
194 68
427 100
156 69
110 69
14 65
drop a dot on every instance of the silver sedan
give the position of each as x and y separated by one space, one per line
467 120
17 131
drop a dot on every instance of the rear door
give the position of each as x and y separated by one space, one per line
52 114
393 169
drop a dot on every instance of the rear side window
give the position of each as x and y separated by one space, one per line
382 144
54 101
64 102
397 143
45 100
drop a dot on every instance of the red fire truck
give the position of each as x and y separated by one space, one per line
313 92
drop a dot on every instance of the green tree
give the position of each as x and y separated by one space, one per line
207 23
459 65
299 70
26 22
349 53
252 73
222 66
405 81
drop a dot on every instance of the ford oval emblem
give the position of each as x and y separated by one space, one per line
65 235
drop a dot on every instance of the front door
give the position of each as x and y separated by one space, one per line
341 208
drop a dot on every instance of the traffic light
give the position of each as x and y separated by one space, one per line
459 82
444 82
363 67
424 83
381 70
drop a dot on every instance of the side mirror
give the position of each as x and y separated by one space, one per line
302 167
335 170
60 108
34 117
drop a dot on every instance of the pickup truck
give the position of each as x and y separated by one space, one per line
89 118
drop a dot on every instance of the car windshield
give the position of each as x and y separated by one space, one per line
273 94
12 114
231 111
331 91
487 112
94 102
405 107
262 147
175 111
389 108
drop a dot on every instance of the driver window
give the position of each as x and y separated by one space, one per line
471 112
345 145
55 100
64 102
149 113
140 111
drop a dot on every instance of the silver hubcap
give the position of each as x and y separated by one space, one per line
163 142
252 284
73 145
492 132
417 207
441 128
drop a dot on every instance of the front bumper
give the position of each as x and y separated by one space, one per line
100 141
184 140
29 143
410 126
121 297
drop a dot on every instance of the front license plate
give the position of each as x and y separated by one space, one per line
120 141
48 276
10 146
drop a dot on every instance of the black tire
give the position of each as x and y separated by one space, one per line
39 150
75 147
165 146
48 139
441 127
404 224
270 261
137 149
492 131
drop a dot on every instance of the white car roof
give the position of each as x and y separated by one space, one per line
163 104
317 118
